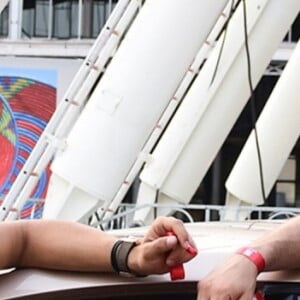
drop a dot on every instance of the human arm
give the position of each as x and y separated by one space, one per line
54 244
63 245
236 276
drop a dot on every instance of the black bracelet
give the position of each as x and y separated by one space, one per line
119 255
113 257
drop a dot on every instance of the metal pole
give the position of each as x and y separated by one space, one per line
79 19
50 19
15 19
109 7
216 183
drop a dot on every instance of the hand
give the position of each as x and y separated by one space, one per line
158 252
235 279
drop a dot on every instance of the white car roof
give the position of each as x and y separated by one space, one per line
215 241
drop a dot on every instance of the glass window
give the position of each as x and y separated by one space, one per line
35 21
4 22
64 18
101 11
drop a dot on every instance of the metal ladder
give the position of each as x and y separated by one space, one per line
69 107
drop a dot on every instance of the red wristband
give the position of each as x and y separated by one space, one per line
254 256
259 296
176 272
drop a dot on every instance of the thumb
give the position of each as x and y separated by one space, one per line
171 242
165 244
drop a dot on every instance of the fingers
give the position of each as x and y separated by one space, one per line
163 245
222 289
233 278
157 252
183 247
211 290
164 224
168 250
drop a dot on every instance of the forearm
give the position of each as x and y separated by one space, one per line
236 276
72 246
62 245
281 247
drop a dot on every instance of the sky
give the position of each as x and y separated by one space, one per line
47 76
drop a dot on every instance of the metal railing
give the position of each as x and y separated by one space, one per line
191 213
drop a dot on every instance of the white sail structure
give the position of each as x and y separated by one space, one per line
278 129
210 109
127 103
157 96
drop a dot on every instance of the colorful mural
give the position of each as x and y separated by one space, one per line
26 105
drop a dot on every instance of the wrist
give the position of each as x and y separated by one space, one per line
120 254
133 261
124 257
254 256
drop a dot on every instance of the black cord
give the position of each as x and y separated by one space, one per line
223 42
156 202
252 103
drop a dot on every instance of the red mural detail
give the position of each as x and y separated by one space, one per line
6 157
37 99
32 104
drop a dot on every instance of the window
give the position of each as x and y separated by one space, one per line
4 22
65 19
